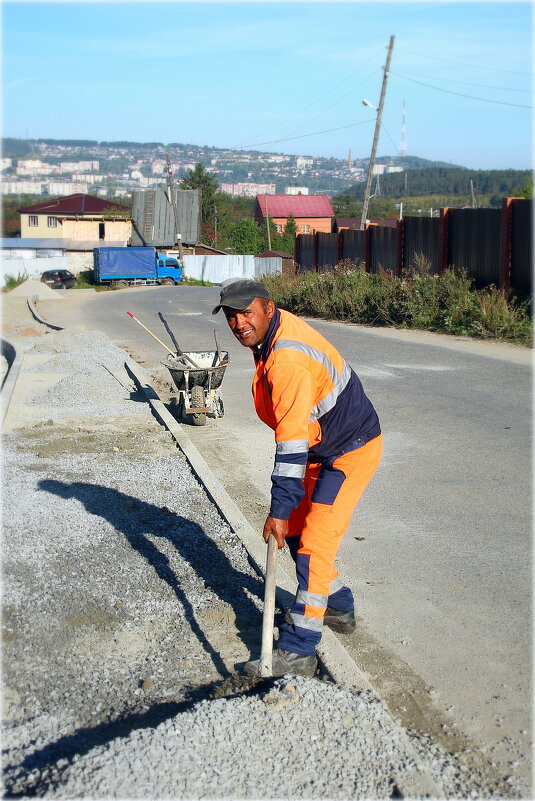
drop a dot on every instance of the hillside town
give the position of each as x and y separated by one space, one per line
115 169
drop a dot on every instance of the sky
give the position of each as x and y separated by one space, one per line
283 77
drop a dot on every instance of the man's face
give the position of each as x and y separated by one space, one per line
250 325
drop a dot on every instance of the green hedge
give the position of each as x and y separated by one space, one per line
445 303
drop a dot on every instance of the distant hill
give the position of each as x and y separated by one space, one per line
415 162
449 181
421 177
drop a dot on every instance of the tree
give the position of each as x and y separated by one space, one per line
291 227
229 210
286 240
245 237
526 190
344 205
200 178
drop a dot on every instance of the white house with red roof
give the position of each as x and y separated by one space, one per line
79 217
313 213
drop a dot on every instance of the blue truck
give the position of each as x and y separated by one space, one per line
134 266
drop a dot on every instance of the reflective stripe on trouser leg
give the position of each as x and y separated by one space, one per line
320 528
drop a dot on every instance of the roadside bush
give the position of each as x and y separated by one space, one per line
10 282
498 318
445 303
85 279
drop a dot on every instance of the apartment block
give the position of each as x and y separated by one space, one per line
248 190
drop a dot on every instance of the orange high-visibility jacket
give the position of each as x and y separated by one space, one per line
313 400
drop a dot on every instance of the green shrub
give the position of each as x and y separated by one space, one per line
10 282
85 279
445 303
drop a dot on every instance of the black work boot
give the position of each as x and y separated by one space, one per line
285 662
341 622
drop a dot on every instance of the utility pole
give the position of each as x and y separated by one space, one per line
376 137
215 226
172 199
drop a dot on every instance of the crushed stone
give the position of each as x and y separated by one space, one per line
34 287
128 607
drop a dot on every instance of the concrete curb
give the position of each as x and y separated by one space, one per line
14 361
32 300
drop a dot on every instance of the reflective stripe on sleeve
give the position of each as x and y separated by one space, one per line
289 470
293 446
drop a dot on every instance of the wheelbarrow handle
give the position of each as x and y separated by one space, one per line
219 356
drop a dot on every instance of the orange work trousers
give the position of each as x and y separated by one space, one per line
316 529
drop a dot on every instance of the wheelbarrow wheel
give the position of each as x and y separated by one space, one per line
197 399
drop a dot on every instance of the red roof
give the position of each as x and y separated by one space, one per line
297 205
73 204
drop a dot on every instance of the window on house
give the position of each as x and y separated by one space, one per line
101 231
33 220
279 228
52 222
306 229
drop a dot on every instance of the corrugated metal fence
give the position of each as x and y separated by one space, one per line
495 246
31 267
215 269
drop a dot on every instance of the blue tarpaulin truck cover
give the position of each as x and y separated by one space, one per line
124 263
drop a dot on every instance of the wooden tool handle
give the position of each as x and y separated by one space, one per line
152 335
179 352
266 656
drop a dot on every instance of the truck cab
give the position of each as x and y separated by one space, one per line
168 269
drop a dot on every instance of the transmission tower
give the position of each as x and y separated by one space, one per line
377 187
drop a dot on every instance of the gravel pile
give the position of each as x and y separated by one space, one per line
35 287
129 604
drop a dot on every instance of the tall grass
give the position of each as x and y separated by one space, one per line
446 303
11 281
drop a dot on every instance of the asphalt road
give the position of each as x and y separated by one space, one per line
443 574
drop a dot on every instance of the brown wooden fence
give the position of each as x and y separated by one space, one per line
495 246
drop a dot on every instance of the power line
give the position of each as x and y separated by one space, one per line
460 94
463 64
393 143
317 99
469 83
303 136
321 114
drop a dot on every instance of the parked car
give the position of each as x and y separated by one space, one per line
57 279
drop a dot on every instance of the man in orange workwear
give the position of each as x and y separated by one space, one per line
328 446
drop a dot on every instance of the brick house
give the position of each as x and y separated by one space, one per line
313 213
78 217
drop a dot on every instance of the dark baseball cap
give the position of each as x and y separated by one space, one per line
240 293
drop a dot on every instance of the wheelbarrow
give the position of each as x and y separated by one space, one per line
197 376
198 387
